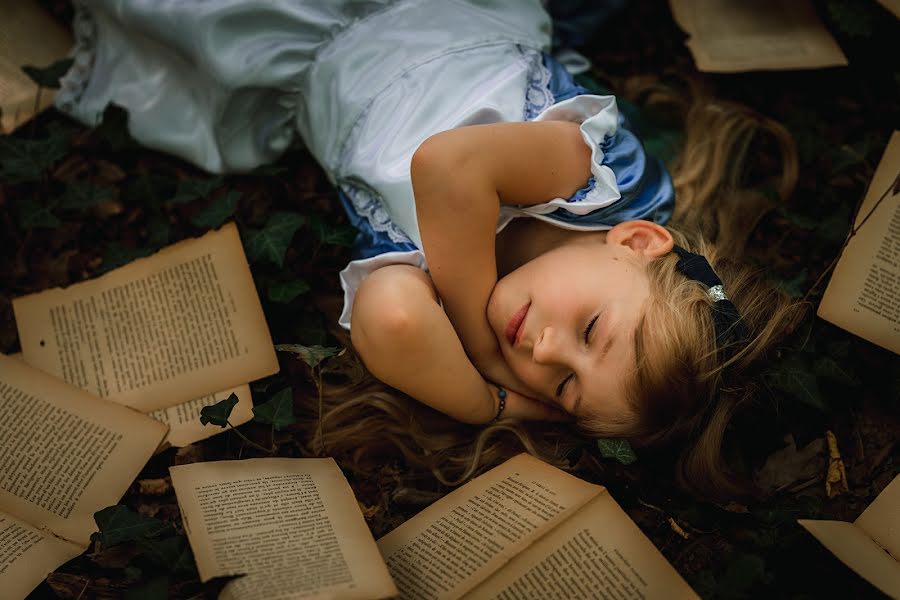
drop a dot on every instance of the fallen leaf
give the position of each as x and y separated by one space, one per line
677 528
277 412
311 355
218 413
369 511
788 465
155 487
618 449
186 455
836 480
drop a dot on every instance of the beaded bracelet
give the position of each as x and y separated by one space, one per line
501 394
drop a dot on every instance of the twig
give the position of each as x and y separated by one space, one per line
853 231
249 441
87 582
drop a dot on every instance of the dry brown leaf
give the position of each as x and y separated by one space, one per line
189 454
369 511
790 464
677 528
836 480
155 487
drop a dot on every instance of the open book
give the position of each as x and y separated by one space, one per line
526 529
23 22
64 455
167 334
728 36
291 526
871 544
863 295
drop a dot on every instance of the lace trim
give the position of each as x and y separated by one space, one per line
368 204
537 93
75 81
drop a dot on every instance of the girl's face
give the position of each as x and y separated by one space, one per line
566 321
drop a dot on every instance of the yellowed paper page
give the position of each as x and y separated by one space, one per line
863 295
456 543
181 324
28 555
891 5
727 36
292 525
23 22
596 553
184 419
65 454
881 520
857 550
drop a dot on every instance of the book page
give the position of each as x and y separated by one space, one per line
184 419
857 550
291 525
891 5
65 454
457 542
157 332
27 556
596 553
881 520
727 36
863 295
24 21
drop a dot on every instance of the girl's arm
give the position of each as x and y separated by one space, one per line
460 177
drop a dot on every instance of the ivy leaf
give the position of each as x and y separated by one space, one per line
80 195
153 589
50 75
113 129
272 241
172 554
218 413
28 160
278 411
795 377
832 370
339 235
853 18
218 211
158 231
148 189
34 214
794 287
618 449
286 291
117 255
192 189
311 355
117 524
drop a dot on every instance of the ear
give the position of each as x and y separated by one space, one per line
644 237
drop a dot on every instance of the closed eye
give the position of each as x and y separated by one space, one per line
562 386
590 326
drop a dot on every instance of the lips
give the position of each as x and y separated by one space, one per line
514 327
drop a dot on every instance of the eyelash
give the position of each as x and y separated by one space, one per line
586 335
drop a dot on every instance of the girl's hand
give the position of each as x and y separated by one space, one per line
528 409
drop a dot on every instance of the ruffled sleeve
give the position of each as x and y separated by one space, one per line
625 182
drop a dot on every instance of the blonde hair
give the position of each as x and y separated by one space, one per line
681 390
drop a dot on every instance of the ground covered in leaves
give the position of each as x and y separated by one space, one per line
75 203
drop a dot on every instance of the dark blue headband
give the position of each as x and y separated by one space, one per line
731 332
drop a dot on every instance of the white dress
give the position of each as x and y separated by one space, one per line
230 84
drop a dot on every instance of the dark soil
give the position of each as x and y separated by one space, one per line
53 233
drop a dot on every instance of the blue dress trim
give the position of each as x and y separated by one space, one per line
644 183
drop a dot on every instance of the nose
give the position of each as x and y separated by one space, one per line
547 348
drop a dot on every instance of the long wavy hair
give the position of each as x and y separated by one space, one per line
682 392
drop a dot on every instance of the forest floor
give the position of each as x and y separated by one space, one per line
82 202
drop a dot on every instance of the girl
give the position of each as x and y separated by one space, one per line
512 261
